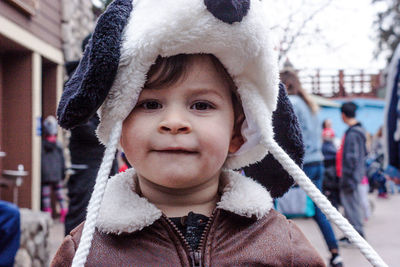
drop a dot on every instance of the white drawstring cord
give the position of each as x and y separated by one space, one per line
97 197
324 204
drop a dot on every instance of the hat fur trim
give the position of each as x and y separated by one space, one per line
87 89
124 211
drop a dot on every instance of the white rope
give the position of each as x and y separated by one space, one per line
97 197
324 204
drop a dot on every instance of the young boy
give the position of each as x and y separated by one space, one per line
189 95
353 155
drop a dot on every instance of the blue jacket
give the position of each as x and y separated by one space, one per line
310 128
10 233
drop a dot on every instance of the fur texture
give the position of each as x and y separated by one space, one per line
124 211
269 172
243 48
89 86
228 11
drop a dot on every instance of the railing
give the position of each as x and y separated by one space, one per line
340 83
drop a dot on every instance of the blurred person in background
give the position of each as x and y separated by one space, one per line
86 156
10 233
377 154
53 168
327 129
330 183
352 157
306 111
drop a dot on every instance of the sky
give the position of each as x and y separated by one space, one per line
346 39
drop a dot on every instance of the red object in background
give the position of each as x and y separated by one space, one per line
328 133
339 158
123 168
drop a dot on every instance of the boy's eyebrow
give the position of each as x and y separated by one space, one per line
203 91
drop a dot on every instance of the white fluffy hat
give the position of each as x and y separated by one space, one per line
234 31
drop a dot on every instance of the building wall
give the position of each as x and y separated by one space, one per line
78 22
1 112
17 125
45 23
33 48
31 64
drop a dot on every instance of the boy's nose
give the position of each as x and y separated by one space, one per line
173 124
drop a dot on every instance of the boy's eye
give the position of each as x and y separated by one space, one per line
151 105
201 105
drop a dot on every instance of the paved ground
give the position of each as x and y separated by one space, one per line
382 230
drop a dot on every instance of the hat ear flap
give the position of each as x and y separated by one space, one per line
287 134
87 89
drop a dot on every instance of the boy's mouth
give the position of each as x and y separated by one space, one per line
176 150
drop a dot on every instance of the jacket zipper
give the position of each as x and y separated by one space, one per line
186 244
203 237
195 256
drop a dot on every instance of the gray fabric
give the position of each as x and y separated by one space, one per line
293 203
310 129
354 155
366 208
52 163
351 202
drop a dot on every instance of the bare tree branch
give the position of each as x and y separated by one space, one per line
289 39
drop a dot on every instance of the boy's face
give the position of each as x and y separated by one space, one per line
179 136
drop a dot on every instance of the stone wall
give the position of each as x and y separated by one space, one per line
77 22
34 248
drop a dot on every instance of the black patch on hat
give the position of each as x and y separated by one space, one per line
228 11
287 134
87 89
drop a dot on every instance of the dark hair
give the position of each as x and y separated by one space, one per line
324 124
293 87
349 109
167 71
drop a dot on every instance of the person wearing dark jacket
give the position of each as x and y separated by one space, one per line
86 155
53 167
353 167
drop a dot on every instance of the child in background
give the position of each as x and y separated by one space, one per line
191 95
53 168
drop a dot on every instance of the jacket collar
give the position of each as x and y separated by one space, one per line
124 211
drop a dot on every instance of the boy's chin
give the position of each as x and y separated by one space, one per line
176 181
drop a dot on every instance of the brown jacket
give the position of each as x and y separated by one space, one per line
243 231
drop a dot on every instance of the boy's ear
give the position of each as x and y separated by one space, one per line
237 139
87 89
287 134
